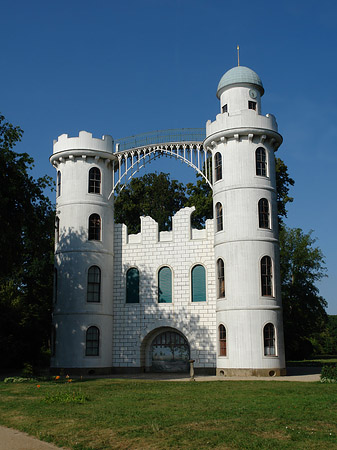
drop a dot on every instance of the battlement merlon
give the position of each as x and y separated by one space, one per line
83 144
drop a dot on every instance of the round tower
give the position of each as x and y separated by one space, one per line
249 311
82 318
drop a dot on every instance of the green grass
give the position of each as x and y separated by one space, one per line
154 415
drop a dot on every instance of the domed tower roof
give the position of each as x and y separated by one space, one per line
240 75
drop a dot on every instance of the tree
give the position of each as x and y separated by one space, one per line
151 195
283 183
200 195
26 254
302 266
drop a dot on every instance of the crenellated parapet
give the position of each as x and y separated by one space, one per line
82 146
182 230
246 125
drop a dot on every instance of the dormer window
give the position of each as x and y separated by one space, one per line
252 105
224 108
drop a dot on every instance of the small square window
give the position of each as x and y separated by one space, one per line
224 109
252 105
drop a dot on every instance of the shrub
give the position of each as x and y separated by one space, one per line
329 374
19 380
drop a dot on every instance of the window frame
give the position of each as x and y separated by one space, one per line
266 272
91 284
264 213
158 284
269 341
252 105
58 183
94 184
224 108
126 286
261 162
94 230
217 167
193 293
97 346
219 216
222 340
57 229
221 288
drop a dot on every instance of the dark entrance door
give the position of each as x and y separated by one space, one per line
170 353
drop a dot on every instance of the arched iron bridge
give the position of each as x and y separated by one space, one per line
134 152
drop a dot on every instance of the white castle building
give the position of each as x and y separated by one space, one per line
155 300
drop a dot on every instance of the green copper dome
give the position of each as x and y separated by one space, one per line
240 75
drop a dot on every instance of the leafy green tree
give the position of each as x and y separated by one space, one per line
26 254
302 266
283 183
150 195
200 195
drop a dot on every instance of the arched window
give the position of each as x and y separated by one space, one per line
92 342
94 284
266 276
222 341
198 283
269 340
264 213
94 185
219 216
132 286
53 341
217 166
165 285
221 278
58 187
94 227
57 230
261 162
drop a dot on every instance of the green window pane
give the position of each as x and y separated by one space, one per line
198 284
132 286
165 285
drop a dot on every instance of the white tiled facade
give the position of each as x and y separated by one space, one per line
128 332
180 249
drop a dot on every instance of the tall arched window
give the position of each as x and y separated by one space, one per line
222 341
269 340
264 213
132 285
94 185
219 216
266 276
217 166
198 283
58 187
92 342
165 285
57 230
94 227
261 162
94 284
221 278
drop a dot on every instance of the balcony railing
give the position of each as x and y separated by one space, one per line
161 137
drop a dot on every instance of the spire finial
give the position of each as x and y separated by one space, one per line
238 49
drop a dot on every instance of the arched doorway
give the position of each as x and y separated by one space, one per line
169 352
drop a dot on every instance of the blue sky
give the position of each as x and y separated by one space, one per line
128 67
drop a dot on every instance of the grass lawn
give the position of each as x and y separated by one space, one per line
153 415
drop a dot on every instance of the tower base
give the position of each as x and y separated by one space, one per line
251 372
